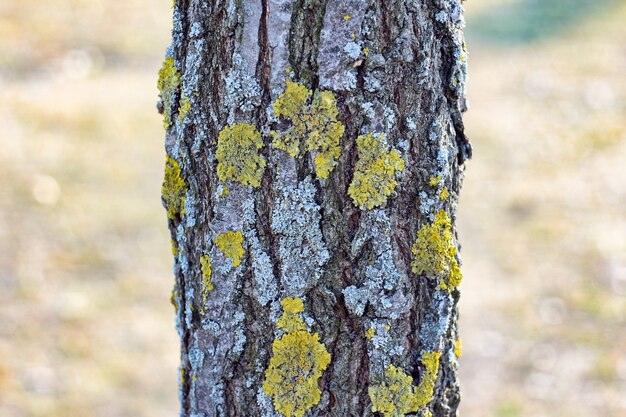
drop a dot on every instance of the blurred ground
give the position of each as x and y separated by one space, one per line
86 328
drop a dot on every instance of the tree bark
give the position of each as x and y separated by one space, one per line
315 155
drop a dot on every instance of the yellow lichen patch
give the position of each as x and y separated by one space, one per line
168 83
458 350
375 172
325 133
434 252
292 305
346 17
238 154
370 333
315 124
225 191
434 181
174 189
394 395
298 360
231 244
291 321
424 391
174 248
292 105
183 109
444 194
207 273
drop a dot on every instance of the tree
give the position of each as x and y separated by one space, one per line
315 155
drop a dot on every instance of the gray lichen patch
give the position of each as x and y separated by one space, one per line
233 209
383 345
437 320
265 404
265 282
223 336
341 44
296 223
248 49
193 84
242 91
431 195
381 283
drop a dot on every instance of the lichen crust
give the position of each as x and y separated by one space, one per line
434 252
238 154
313 123
298 360
168 83
207 283
183 109
290 320
375 172
394 394
174 189
231 245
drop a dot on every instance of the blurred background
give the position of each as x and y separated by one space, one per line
86 327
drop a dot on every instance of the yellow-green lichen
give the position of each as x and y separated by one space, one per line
238 154
174 189
292 105
174 247
375 172
168 83
458 348
370 333
444 194
231 244
394 395
207 273
183 109
298 360
290 320
424 391
434 181
315 124
434 252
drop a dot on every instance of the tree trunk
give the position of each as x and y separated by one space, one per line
315 155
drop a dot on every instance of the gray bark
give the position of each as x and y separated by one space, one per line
395 67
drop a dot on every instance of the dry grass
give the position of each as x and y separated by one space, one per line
86 328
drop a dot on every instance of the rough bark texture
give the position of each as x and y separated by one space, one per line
394 67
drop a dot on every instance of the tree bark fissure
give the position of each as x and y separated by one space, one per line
395 68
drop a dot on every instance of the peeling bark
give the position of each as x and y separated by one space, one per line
396 69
